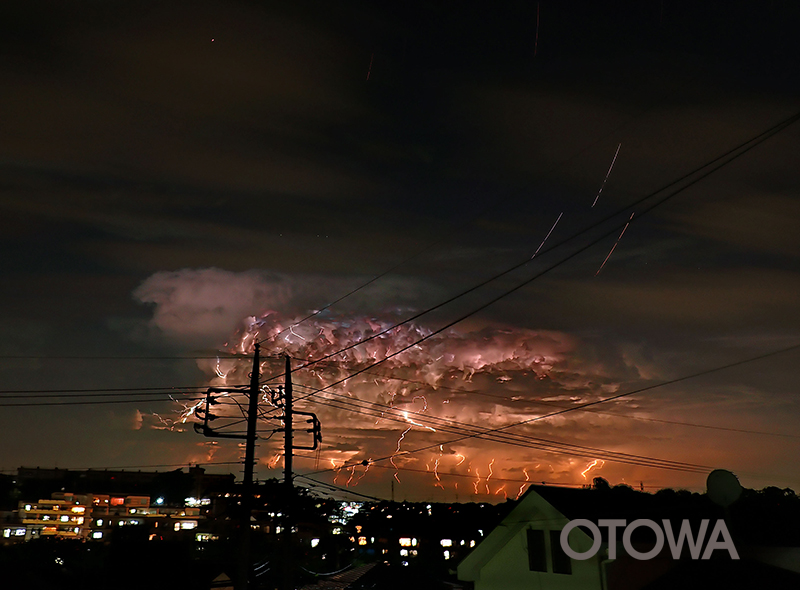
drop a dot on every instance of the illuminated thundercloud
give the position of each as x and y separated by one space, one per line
475 378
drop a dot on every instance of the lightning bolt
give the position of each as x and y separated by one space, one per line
397 451
369 462
522 487
438 483
591 465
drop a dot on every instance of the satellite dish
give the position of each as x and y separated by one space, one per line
723 487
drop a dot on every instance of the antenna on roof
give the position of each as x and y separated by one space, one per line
723 487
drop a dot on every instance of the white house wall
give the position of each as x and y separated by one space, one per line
500 562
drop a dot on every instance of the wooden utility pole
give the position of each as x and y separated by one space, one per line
246 563
287 478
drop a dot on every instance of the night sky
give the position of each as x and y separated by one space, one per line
177 179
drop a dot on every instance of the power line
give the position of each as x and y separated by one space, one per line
169 389
526 441
92 402
82 395
48 357
515 399
604 400
478 215
338 488
698 173
123 467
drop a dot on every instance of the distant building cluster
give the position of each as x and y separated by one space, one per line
202 508
86 516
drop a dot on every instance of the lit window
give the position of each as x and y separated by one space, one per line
117 501
314 542
405 541
46 517
446 542
79 509
472 543
404 553
65 518
189 524
97 535
27 506
7 533
19 532
99 522
362 540
177 526
446 554
414 542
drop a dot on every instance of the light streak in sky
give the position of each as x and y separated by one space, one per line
413 423
463 458
218 371
274 461
291 330
591 466
337 469
602 186
397 451
369 70
491 471
438 483
502 490
368 463
477 480
168 423
615 245
522 487
548 235
188 411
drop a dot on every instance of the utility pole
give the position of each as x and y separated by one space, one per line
246 567
245 574
287 477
